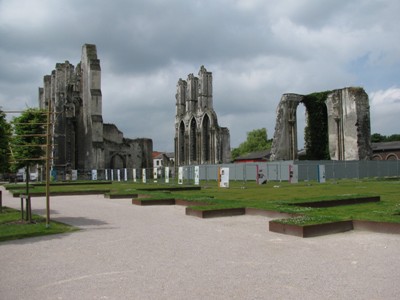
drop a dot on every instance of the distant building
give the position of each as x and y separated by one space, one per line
258 156
198 137
386 151
163 159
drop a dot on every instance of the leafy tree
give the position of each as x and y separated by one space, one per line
28 140
379 138
5 133
316 132
393 138
257 140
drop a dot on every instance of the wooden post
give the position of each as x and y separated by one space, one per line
22 207
48 156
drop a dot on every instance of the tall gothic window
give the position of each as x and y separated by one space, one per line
206 138
181 143
193 140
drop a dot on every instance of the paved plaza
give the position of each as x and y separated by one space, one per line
133 252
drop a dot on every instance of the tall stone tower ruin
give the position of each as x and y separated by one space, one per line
198 137
80 138
340 123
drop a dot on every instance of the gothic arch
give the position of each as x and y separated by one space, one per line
193 140
316 130
337 126
181 143
392 156
118 161
206 138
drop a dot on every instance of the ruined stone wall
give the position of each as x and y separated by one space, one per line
348 125
225 144
92 103
112 133
81 140
284 146
198 137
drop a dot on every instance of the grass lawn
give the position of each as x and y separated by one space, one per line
13 228
276 196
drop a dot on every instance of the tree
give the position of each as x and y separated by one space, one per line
5 133
257 140
28 140
379 138
393 138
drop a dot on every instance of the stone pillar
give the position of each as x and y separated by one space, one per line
205 89
349 124
180 97
284 145
92 104
192 93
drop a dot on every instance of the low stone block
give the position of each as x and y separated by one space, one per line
144 202
120 196
213 213
310 230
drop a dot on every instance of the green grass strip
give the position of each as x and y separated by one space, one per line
13 228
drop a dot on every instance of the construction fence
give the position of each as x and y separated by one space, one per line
292 171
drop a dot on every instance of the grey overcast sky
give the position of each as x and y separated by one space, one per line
257 50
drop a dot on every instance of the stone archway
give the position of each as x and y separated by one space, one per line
193 141
118 161
391 156
181 143
206 145
338 126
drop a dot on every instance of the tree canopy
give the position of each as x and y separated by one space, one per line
257 140
5 133
28 140
379 138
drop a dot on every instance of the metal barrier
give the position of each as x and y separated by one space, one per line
274 171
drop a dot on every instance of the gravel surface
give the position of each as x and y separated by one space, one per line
133 252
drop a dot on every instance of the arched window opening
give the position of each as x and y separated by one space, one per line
206 138
181 143
301 115
193 140
117 162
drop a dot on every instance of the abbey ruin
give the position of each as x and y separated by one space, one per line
337 126
81 141
198 137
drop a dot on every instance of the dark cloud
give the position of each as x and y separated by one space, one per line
257 50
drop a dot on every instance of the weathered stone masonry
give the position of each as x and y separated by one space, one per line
348 127
198 137
81 140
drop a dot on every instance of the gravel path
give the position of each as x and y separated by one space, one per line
132 252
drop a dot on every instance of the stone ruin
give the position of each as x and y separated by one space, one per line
347 131
198 137
80 138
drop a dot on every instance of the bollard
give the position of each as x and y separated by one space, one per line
1 201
